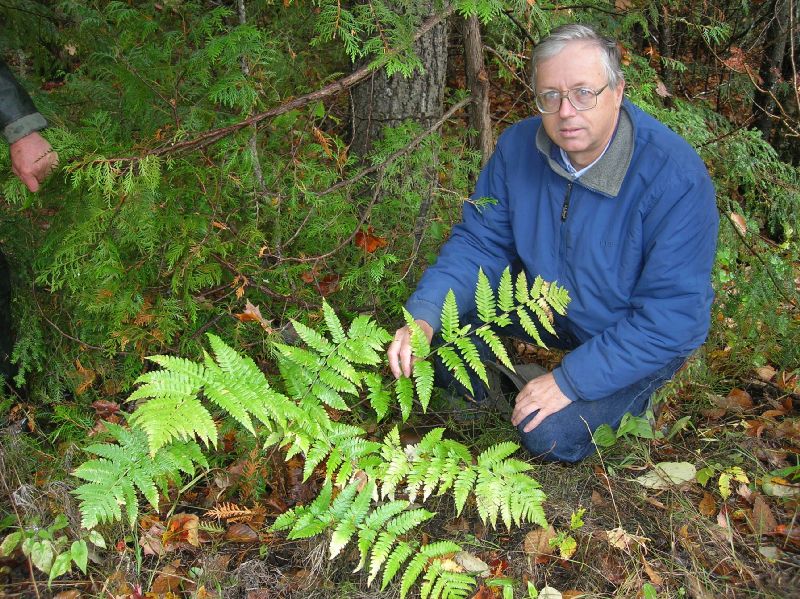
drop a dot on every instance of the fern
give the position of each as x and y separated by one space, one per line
125 466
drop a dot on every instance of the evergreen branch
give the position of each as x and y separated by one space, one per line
212 136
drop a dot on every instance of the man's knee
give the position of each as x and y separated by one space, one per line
553 442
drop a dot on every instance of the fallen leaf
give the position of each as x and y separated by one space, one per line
771 552
484 592
598 500
722 517
150 540
766 373
168 579
550 593
707 506
713 413
368 241
736 400
241 533
573 594
537 541
260 594
763 519
71 594
613 567
777 487
182 528
252 313
621 539
471 563
666 474
662 90
328 284
204 593
655 503
745 493
774 413
654 576
741 225
104 408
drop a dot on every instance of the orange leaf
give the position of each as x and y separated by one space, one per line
252 313
182 528
763 520
368 241
241 533
328 284
707 506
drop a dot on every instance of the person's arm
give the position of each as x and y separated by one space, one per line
670 306
32 157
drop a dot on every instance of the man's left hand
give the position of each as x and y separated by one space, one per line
32 160
542 394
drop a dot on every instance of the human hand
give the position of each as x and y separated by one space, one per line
542 394
32 160
399 353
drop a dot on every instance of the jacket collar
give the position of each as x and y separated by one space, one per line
607 175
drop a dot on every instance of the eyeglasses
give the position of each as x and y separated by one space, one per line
581 98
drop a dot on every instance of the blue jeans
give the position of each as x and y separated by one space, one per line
565 436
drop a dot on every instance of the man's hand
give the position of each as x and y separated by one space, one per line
399 352
542 394
32 160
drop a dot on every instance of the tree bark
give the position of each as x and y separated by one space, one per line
769 71
383 101
478 82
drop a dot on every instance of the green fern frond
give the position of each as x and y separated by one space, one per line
471 356
496 346
484 299
505 292
396 559
449 317
496 453
333 323
171 417
312 338
376 394
454 364
528 325
423 381
420 560
404 391
462 487
521 291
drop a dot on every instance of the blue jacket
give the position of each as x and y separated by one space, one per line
635 247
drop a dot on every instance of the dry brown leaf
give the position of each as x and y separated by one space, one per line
714 413
707 506
654 576
622 5
71 594
484 592
260 594
745 493
763 520
662 90
368 241
741 226
241 533
252 313
204 593
537 541
766 373
573 594
470 562
621 539
737 400
598 500
168 579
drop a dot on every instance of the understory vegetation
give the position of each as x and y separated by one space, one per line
203 295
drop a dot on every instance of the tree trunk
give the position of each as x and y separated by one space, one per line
478 83
769 71
383 101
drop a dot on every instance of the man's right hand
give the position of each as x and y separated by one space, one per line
401 360
32 160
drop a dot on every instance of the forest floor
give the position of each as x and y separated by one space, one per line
728 530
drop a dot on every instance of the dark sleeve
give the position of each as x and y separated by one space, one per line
18 115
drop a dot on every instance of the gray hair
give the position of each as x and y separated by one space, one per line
561 36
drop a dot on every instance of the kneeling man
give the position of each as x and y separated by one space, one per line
614 206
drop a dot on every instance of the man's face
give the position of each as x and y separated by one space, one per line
583 135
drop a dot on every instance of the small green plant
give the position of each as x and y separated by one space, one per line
727 476
51 552
564 541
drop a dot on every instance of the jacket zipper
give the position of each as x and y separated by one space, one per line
565 206
562 246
